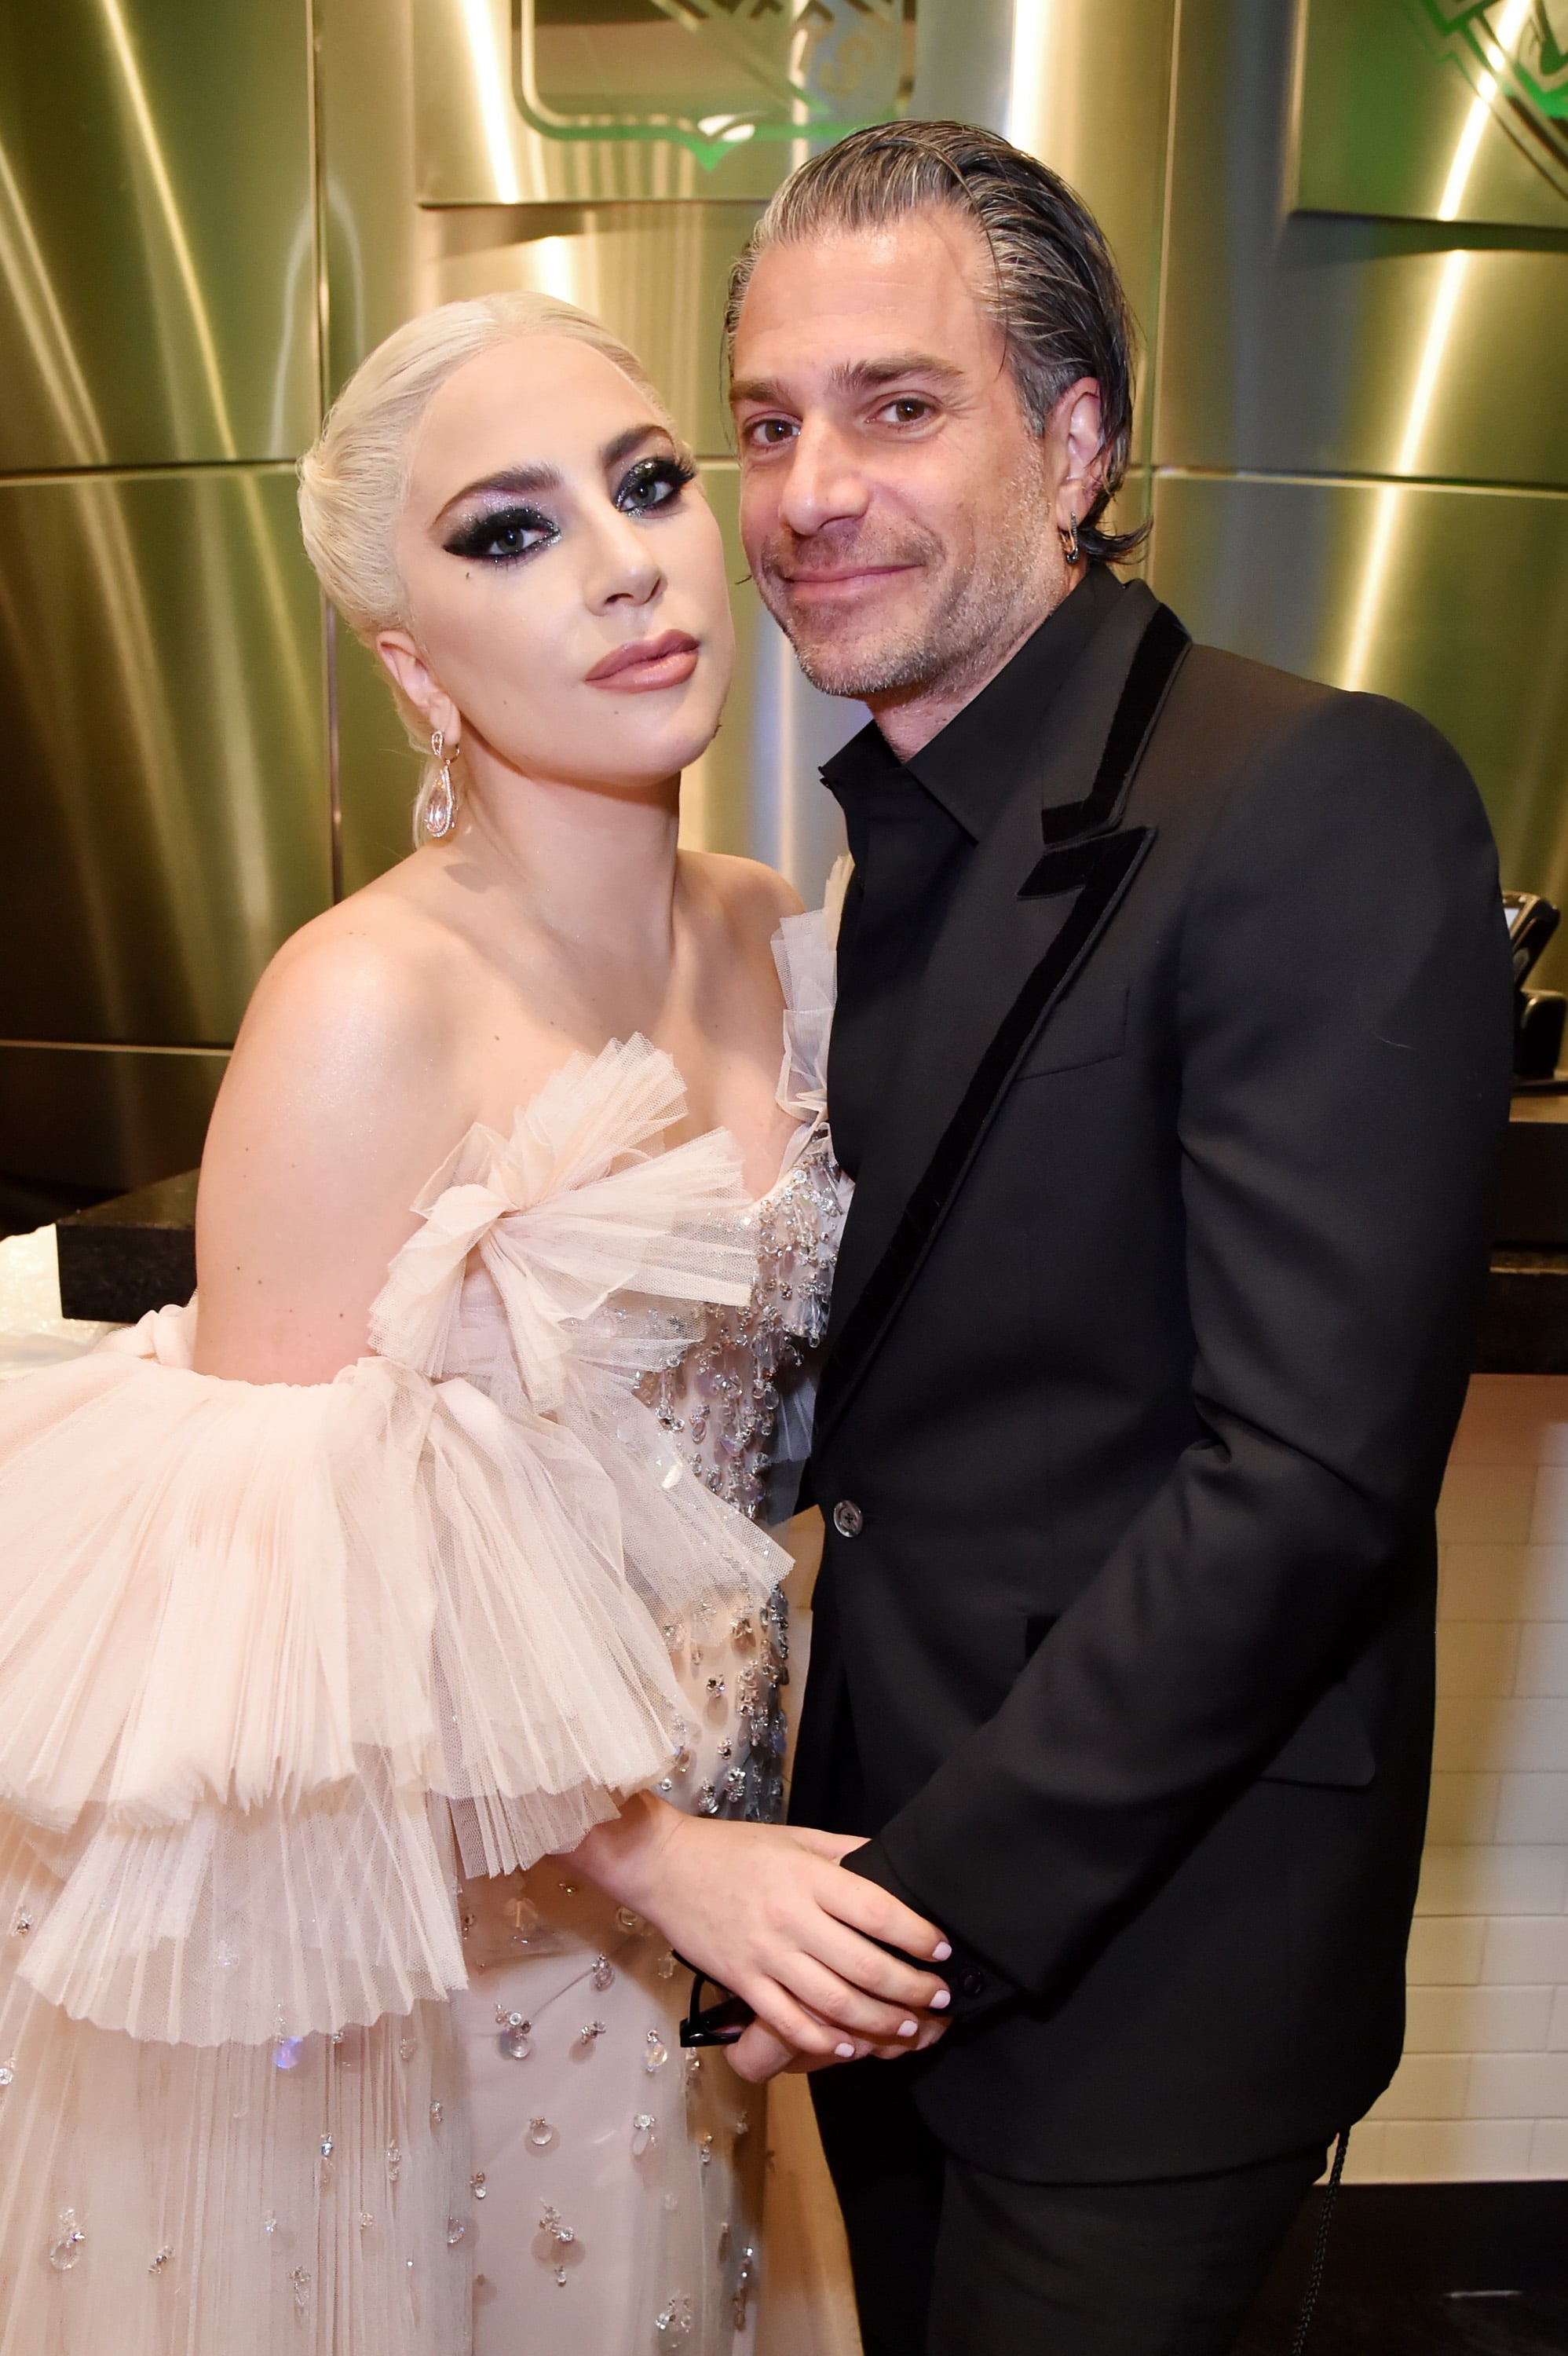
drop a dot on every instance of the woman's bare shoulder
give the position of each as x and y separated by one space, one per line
751 895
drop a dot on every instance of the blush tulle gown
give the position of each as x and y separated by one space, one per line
308 2040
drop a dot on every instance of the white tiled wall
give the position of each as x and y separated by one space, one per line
1483 2088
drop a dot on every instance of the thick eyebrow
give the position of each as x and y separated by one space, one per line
852 376
527 482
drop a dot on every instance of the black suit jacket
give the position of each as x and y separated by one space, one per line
1151 1332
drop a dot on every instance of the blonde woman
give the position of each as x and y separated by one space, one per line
389 1651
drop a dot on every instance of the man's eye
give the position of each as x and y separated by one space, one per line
770 432
501 537
652 483
906 409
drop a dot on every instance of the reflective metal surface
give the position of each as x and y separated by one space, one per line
656 273
1294 344
157 297
1468 624
103 1118
161 688
1442 109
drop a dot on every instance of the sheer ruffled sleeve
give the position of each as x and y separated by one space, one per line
261 1644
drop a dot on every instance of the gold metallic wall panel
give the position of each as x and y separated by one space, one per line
1402 110
106 1117
509 93
1090 96
656 273
1452 599
1298 344
157 295
161 683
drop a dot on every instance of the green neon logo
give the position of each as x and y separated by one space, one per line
711 75
1524 81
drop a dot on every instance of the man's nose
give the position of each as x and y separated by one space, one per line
823 485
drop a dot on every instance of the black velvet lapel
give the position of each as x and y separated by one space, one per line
1017 934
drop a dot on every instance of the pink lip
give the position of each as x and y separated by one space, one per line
664 661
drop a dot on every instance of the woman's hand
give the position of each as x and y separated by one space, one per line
766 1913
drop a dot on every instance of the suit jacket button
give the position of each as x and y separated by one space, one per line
971 1982
847 1518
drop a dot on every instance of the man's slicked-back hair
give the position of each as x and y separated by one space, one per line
1055 292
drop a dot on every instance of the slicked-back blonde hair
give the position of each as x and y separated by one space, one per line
354 479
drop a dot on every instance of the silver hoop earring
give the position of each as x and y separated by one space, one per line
1069 548
440 807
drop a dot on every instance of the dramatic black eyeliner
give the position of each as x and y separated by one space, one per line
668 474
484 539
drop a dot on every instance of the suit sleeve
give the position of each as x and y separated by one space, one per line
1343 1019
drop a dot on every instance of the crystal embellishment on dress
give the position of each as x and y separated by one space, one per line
455 2229
301 2281
514 2038
540 2135
644 2134
657 2052
603 1973
22 1925
7 2073
674 2320
437 2112
394 2163
590 2032
156 2264
286 2052
477 2186
65 2249
558 2238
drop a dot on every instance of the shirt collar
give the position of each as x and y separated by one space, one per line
973 765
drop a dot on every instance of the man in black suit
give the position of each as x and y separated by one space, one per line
1171 1064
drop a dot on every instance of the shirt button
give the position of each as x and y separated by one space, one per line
971 1982
847 1518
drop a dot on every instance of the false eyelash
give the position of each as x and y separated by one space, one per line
472 540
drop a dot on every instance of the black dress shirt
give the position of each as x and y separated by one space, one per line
913 826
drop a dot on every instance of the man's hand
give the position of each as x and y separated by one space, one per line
765 1911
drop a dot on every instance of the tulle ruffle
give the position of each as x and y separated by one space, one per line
240 1661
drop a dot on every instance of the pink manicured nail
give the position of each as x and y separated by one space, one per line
941 1952
845 2052
909 2027
942 1996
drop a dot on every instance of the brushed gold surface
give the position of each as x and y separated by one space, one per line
104 1118
1319 345
1390 122
157 297
476 146
161 687
1449 599
656 273
1089 94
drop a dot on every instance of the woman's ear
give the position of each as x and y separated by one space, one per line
417 684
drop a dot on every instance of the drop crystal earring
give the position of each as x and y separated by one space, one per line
1069 548
441 804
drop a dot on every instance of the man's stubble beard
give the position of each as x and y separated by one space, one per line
996 601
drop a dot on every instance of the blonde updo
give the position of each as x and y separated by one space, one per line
354 478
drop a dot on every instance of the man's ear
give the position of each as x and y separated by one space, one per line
418 683
1075 428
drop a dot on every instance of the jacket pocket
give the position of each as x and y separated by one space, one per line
1086 1028
1331 1745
